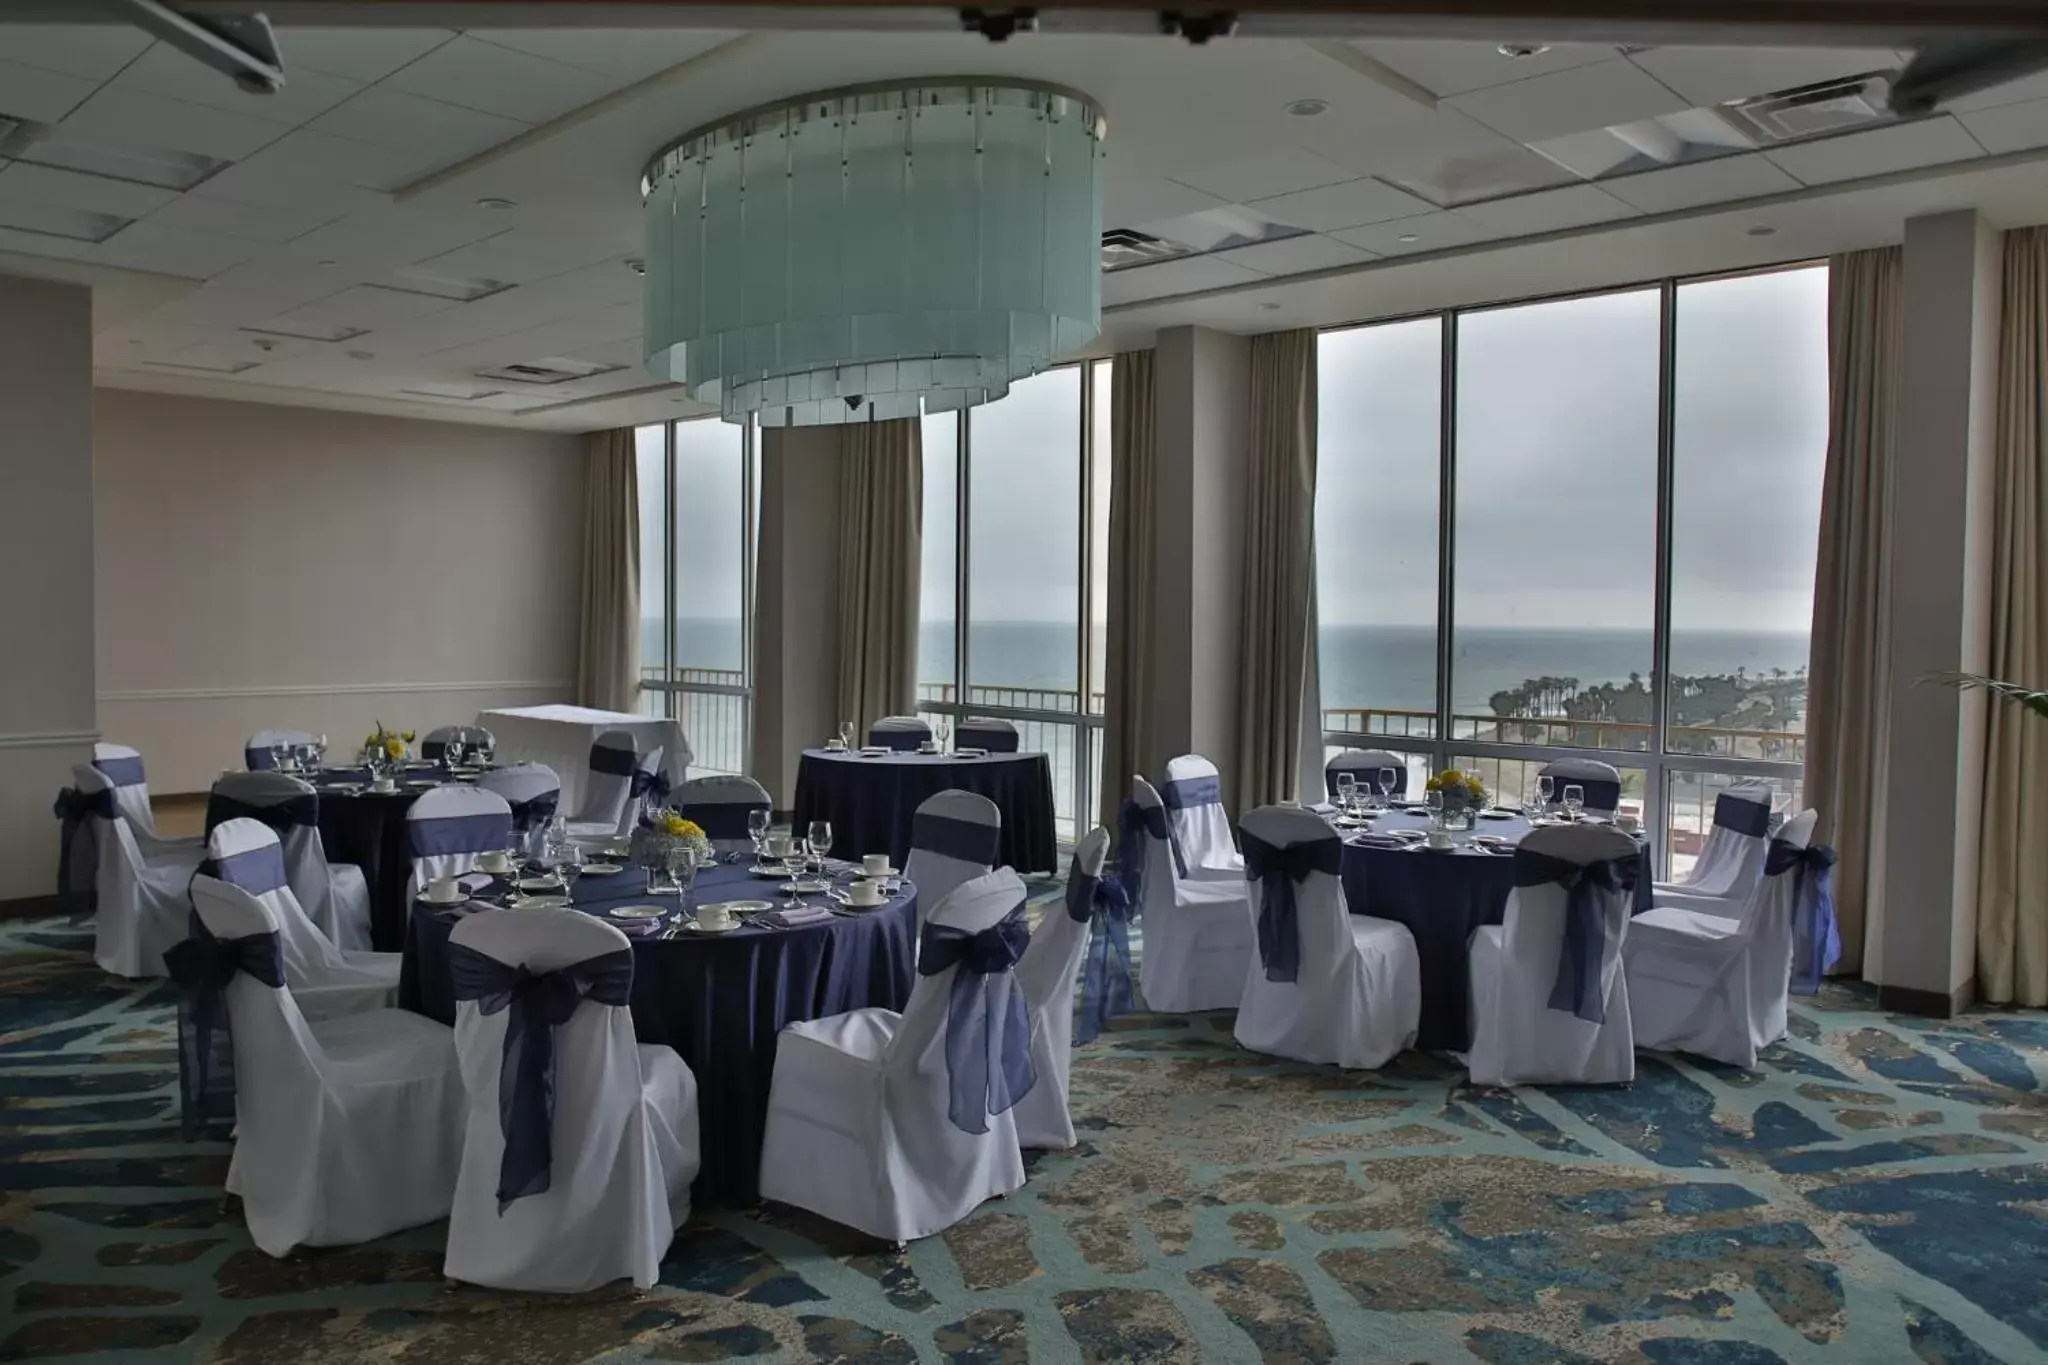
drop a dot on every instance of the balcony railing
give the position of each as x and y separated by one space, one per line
1564 732
712 705
1049 721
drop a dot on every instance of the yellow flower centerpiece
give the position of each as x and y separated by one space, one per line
386 749
1463 795
664 833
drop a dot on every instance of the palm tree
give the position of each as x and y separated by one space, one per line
2034 701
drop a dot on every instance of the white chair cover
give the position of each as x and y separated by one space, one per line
346 1129
996 735
142 904
1732 862
613 1180
448 826
434 745
1337 988
1365 765
1046 974
534 792
256 755
721 806
861 1115
122 766
1193 793
954 836
608 786
1198 932
1601 781
1518 1037
1717 985
324 979
335 896
899 732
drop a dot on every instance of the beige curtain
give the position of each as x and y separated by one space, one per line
1128 728
608 650
1275 674
880 546
2012 858
1849 695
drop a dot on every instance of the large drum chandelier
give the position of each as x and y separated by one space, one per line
875 251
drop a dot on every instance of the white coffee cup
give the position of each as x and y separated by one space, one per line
1440 839
714 916
1628 824
443 890
384 784
875 864
930 746
493 861
835 746
866 894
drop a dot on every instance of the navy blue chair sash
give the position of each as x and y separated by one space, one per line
1584 948
1279 869
540 1003
1816 938
723 819
257 871
1195 791
1107 986
613 762
1751 818
966 840
122 772
459 834
75 810
1136 823
535 810
282 816
202 966
988 1031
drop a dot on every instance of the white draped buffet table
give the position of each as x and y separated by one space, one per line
560 736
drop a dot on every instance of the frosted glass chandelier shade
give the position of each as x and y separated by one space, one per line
875 252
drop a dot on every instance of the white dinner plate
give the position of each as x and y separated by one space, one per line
541 884
538 903
700 927
746 907
760 870
806 888
1497 815
601 869
636 912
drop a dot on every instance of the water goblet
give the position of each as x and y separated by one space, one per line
1574 800
846 734
569 866
1387 776
757 830
1546 785
1347 792
1435 802
792 868
818 839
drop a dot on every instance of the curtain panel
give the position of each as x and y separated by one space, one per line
880 548
1129 743
608 644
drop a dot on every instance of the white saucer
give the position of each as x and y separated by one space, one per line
806 888
538 903
699 927
875 751
747 907
762 870
601 869
636 912
540 884
850 903
436 900
1497 815
863 874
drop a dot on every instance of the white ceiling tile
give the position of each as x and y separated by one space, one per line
258 222
1464 180
2032 87
1439 135
1723 179
1144 199
1596 96
1715 75
360 54
166 71
1187 276
394 235
519 257
1295 255
628 54
194 255
393 118
140 119
1880 151
1351 204
1430 232
69 189
1281 171
45 96
309 168
2010 127
95 51
497 80
1450 68
41 244
1547 211
364 306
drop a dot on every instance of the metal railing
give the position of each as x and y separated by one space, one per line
714 706
1565 732
1049 721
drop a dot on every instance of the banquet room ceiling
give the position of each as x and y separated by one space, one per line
339 250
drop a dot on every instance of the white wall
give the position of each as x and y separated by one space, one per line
268 566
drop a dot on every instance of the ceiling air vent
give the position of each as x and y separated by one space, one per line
1812 110
1123 247
550 369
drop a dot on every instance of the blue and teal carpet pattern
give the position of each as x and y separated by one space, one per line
1877 1191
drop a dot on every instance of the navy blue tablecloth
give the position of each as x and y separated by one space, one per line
1443 898
368 829
718 1001
870 800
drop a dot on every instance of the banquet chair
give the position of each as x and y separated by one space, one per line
1198 931
1717 985
1549 1001
871 1123
256 750
122 766
1193 793
608 786
1326 985
448 826
986 732
1732 861
335 896
720 806
899 732
346 1129
534 792
1046 974
324 979
1601 782
1364 765
954 837
434 746
581 1175
141 904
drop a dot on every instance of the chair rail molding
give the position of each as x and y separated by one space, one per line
565 686
48 739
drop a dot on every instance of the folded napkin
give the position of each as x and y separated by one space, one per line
1380 841
637 928
476 881
1324 808
791 919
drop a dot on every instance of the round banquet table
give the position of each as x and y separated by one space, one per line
367 828
720 1000
870 800
1444 898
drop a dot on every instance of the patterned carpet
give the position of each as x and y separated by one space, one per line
1877 1192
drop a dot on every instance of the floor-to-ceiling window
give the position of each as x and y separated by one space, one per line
1015 531
697 512
1579 526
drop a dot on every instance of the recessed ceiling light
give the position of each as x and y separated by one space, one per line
362 355
1269 307
492 202
1410 237
1308 108
1763 232
1522 51
636 265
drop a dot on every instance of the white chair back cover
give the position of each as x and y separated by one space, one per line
122 766
1600 781
436 741
1733 858
899 732
534 792
141 904
448 826
1193 793
1047 975
292 808
249 855
256 750
1150 856
954 837
996 735
721 805
606 1209
614 758
1364 765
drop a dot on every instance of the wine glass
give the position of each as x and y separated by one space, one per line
1546 786
1434 802
818 839
792 868
569 866
757 830
1574 800
1347 792
1387 776
846 734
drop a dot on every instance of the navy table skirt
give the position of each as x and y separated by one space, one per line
870 800
1443 898
368 829
718 1001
